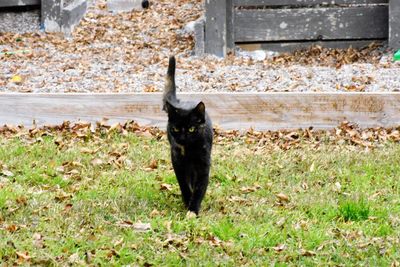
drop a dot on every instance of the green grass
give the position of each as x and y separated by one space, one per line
354 210
76 203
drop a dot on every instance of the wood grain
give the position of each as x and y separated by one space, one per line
262 111
291 46
304 2
367 22
394 24
216 27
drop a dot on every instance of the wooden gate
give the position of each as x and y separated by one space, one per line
289 24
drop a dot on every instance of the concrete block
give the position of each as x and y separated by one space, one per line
51 15
72 14
117 6
199 40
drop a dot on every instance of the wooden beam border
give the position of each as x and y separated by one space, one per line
261 111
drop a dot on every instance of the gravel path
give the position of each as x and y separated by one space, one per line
129 52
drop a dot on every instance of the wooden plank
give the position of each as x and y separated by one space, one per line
394 24
262 111
370 22
215 28
9 3
230 40
291 46
255 3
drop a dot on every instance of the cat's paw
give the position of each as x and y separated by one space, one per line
190 215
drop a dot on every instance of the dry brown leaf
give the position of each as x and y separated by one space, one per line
165 187
307 253
96 162
279 248
282 197
23 257
7 173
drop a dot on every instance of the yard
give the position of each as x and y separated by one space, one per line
71 195
105 194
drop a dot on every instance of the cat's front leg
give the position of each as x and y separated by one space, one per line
181 176
199 191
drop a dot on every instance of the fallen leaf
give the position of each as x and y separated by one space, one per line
7 173
312 167
165 187
96 162
23 257
307 253
154 213
279 248
282 197
16 79
12 228
249 189
141 227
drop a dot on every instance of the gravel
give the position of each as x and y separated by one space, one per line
20 22
129 53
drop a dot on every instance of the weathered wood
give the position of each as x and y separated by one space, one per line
370 22
9 3
291 46
262 111
304 2
230 40
199 39
394 24
216 28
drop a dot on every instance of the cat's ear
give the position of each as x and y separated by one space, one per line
200 111
169 108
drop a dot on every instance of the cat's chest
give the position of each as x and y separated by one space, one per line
188 152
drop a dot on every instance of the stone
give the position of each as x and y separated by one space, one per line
118 6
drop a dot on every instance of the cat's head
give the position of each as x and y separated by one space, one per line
186 125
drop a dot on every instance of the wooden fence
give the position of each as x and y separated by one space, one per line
287 24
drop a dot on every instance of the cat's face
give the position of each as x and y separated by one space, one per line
186 126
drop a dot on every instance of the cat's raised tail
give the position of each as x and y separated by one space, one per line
170 89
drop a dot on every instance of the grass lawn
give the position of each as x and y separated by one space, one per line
111 198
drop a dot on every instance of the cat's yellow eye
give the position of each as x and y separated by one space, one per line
191 129
175 129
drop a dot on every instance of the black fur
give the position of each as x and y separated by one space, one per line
145 4
190 135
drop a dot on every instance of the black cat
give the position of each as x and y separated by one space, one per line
190 135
